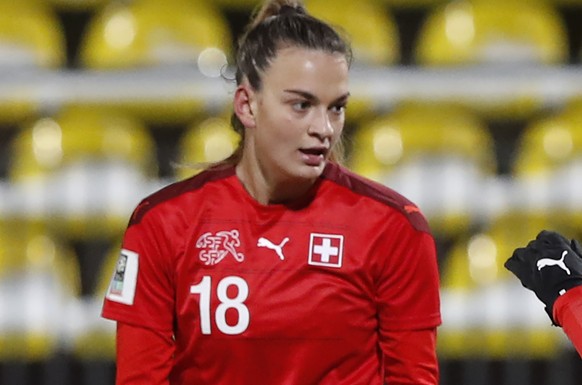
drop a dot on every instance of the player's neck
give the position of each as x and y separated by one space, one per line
266 188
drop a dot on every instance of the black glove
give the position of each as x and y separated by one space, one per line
550 265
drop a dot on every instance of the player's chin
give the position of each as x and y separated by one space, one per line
311 171
304 168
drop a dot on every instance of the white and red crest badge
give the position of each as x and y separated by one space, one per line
215 247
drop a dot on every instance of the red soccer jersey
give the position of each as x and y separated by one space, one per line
273 294
568 313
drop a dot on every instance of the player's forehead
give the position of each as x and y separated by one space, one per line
314 71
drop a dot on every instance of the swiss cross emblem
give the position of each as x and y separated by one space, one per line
326 250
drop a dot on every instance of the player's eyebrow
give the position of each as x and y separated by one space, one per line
312 98
304 94
343 98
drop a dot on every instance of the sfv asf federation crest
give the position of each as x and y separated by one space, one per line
215 247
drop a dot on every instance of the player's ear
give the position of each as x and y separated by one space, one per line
244 104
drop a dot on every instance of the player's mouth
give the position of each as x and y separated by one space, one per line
314 156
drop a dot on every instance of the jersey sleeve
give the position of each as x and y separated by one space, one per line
409 357
144 356
568 313
141 291
408 302
408 295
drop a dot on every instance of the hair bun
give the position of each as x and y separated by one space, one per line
290 10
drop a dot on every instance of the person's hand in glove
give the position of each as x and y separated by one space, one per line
550 265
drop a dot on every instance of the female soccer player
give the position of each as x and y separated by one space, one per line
551 266
278 266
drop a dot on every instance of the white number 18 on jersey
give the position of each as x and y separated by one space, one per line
204 290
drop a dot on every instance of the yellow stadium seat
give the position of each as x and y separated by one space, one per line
550 143
157 34
488 31
207 142
486 311
478 261
81 134
77 153
38 278
415 130
423 4
419 144
96 340
548 161
77 5
153 33
373 35
30 37
568 3
494 32
239 5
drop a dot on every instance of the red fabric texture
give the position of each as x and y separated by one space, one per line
141 348
409 357
568 313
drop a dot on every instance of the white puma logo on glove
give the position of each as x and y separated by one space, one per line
554 262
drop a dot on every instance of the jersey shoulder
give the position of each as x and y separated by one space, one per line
380 193
179 188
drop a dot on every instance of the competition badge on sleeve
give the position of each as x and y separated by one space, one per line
123 282
326 250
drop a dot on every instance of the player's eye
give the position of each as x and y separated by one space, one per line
339 108
301 105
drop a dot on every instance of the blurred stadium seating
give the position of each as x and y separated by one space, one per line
95 340
149 34
485 31
494 33
76 5
477 260
63 159
204 143
550 143
375 42
30 37
481 318
437 154
39 276
548 162
245 5
412 3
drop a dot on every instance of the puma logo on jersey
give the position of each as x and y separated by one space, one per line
264 242
554 262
